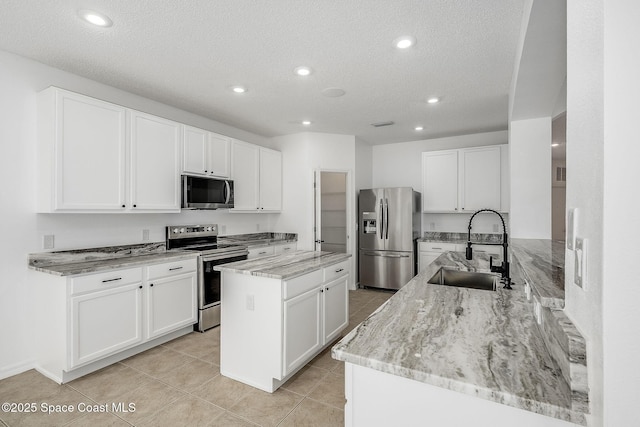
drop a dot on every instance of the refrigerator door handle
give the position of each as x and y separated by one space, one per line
386 225
371 254
385 255
381 222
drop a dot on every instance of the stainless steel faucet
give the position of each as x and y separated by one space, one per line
504 267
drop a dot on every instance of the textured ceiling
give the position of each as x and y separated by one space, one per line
187 53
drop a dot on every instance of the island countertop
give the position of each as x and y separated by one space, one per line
483 343
284 266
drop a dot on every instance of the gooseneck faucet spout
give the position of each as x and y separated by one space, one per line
504 267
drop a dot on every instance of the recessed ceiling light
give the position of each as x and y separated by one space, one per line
303 71
95 18
306 122
238 89
404 42
433 100
555 144
419 128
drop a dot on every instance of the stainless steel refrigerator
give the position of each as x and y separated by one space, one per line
389 224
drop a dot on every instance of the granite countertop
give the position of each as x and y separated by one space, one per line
542 262
253 240
284 266
84 261
483 343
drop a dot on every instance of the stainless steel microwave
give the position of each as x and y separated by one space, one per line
206 193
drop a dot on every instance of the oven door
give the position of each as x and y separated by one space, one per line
209 292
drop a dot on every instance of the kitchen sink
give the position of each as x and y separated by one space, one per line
464 279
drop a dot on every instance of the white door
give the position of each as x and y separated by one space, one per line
171 304
105 322
244 170
270 180
331 214
480 178
440 181
218 155
90 154
194 150
335 308
155 163
302 329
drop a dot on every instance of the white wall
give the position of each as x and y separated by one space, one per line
400 165
302 154
620 293
22 230
530 162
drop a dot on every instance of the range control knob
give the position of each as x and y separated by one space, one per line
175 230
182 230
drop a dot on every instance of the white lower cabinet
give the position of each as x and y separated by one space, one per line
287 323
97 330
90 321
302 328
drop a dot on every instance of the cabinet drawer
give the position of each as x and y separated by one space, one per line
171 268
336 270
287 247
301 284
438 247
106 280
493 250
261 251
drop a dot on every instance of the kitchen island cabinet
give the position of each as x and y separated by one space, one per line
435 349
279 312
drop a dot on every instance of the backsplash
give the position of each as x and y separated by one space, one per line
454 237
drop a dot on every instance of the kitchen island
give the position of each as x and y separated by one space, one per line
429 353
279 312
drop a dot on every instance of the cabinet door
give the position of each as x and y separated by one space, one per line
335 308
194 150
261 252
105 322
218 155
480 178
426 258
440 181
270 180
90 154
301 329
171 304
155 163
244 171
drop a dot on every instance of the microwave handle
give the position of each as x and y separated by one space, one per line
227 190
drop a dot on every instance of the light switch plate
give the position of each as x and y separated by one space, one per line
580 263
572 225
48 241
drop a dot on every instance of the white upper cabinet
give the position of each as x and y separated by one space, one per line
88 162
480 178
257 177
205 153
440 181
464 180
81 153
155 163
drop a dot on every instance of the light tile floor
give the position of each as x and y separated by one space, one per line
179 384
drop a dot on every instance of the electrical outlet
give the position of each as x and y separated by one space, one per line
257 227
250 302
145 235
580 263
48 241
223 229
496 228
432 226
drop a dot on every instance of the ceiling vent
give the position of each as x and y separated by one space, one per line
382 124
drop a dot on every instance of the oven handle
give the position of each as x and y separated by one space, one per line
223 256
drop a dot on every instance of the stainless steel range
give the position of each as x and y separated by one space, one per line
204 240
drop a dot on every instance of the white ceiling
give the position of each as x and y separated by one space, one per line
187 53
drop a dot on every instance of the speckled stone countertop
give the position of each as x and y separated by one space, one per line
284 266
253 240
483 343
543 264
84 261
